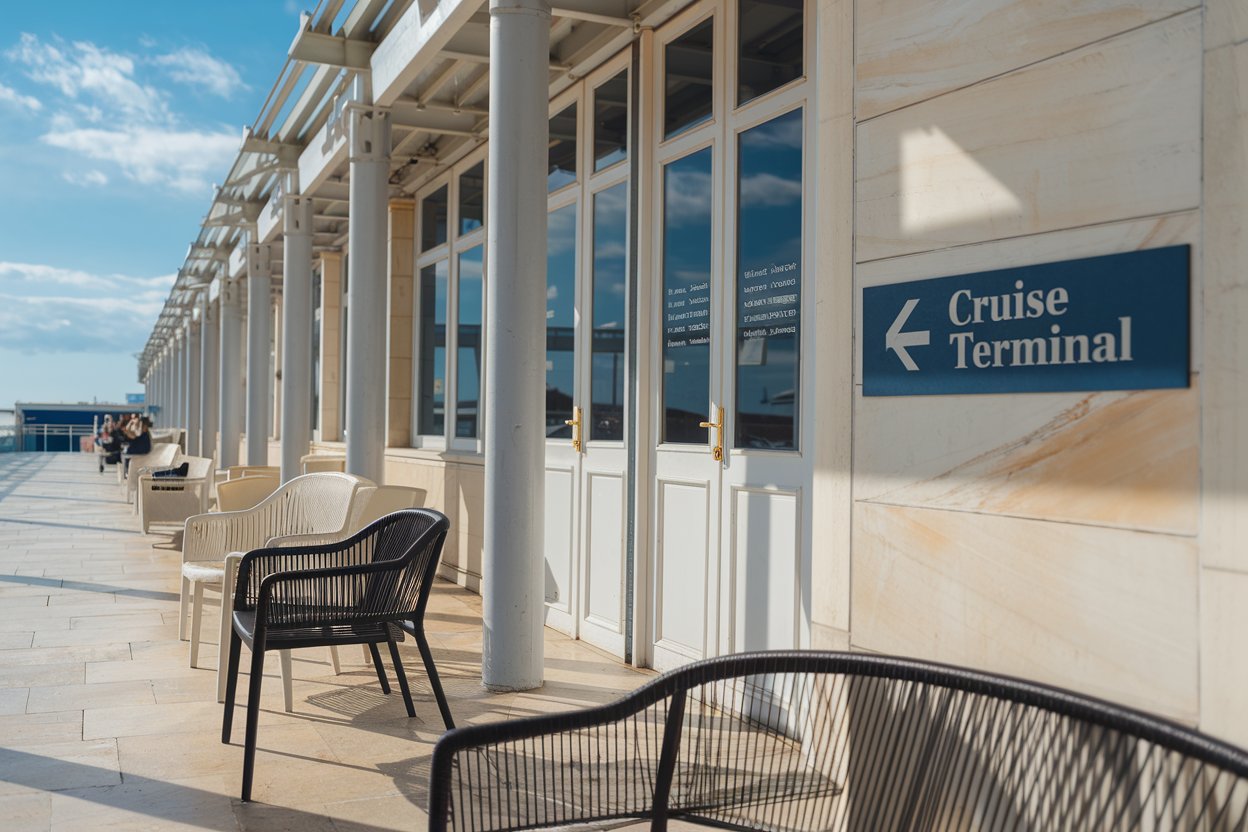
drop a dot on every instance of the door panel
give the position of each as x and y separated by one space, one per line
602 616
560 561
683 551
766 568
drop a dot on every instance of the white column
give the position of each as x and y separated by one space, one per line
210 380
192 385
181 408
515 386
231 372
296 334
259 314
367 323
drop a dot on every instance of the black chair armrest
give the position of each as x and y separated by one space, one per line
259 564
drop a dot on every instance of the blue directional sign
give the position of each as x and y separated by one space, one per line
1117 322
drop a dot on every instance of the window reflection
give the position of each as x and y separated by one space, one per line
769 46
610 308
611 122
431 413
687 241
472 198
433 210
769 283
560 320
689 71
468 343
561 169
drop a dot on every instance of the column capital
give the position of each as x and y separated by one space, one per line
259 260
535 7
368 133
296 215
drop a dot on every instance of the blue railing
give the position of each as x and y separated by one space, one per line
43 438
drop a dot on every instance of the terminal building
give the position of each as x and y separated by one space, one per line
906 327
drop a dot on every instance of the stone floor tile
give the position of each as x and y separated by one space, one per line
58 766
25 676
47 699
23 729
201 803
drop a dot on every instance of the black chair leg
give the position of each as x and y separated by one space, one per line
231 685
381 670
418 630
253 717
398 671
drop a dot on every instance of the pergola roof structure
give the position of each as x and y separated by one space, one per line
427 62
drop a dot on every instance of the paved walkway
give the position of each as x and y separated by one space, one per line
103 725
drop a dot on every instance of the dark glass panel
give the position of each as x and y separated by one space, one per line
606 380
611 122
687 242
560 320
689 69
431 408
433 219
769 283
472 198
769 46
468 348
562 149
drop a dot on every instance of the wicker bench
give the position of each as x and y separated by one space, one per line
839 741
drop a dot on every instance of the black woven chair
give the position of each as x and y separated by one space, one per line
840 741
359 591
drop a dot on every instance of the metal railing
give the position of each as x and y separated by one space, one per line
43 438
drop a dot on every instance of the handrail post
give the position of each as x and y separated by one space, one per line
667 760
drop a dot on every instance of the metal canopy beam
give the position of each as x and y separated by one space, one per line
331 50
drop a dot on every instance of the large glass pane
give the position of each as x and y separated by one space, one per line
769 45
611 122
433 219
468 351
769 283
689 64
686 297
562 149
431 413
606 380
560 320
472 198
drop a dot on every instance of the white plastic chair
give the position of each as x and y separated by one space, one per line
170 500
161 456
235 472
312 504
313 463
245 492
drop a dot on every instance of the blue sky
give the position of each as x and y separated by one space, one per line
115 120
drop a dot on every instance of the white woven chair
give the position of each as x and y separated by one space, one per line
161 456
315 463
312 504
235 472
167 501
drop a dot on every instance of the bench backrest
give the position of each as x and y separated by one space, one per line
840 741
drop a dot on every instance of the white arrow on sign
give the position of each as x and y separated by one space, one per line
899 341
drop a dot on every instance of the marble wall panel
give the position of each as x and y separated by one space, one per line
1226 22
911 50
1223 660
1109 612
1106 132
1225 407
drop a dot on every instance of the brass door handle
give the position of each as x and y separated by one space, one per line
575 424
717 453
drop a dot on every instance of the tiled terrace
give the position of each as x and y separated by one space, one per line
103 725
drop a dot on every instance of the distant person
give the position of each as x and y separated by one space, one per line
141 444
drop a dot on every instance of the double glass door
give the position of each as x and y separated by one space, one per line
729 428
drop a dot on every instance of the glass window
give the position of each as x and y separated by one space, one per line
560 320
769 283
433 210
611 122
610 309
686 297
769 46
472 198
468 348
562 149
689 68
431 413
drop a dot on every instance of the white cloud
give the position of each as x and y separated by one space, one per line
73 311
91 177
82 69
197 68
9 95
181 159
770 190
